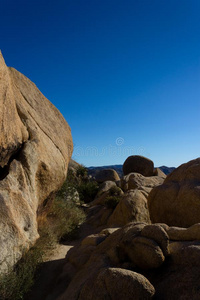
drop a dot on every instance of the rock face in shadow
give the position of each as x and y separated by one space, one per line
137 261
117 283
35 148
107 268
177 201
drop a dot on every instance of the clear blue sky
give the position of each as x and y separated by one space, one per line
124 73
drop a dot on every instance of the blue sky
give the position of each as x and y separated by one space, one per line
125 74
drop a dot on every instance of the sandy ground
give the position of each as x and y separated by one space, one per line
49 272
45 287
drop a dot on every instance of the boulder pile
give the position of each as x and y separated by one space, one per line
139 253
137 259
124 200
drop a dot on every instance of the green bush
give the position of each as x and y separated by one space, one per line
65 217
82 172
112 201
115 191
87 191
114 197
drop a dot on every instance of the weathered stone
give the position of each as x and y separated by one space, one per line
138 164
35 148
140 248
131 208
100 217
180 276
106 186
109 231
177 201
79 256
160 173
184 234
138 181
158 234
107 175
144 253
185 252
117 283
93 239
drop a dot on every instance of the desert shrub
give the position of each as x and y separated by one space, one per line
87 191
112 201
18 281
114 197
61 222
115 191
80 181
64 191
82 172
65 217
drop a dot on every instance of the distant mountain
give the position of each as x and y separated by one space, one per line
167 170
118 168
93 170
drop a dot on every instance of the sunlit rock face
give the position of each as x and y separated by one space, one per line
177 201
35 148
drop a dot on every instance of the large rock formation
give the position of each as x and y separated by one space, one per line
35 148
177 201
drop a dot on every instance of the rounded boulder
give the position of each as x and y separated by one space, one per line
138 164
107 175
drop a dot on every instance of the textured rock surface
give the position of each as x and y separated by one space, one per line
96 258
137 181
177 201
184 234
157 233
35 147
145 245
160 173
106 175
138 164
112 267
117 283
179 278
131 208
144 253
